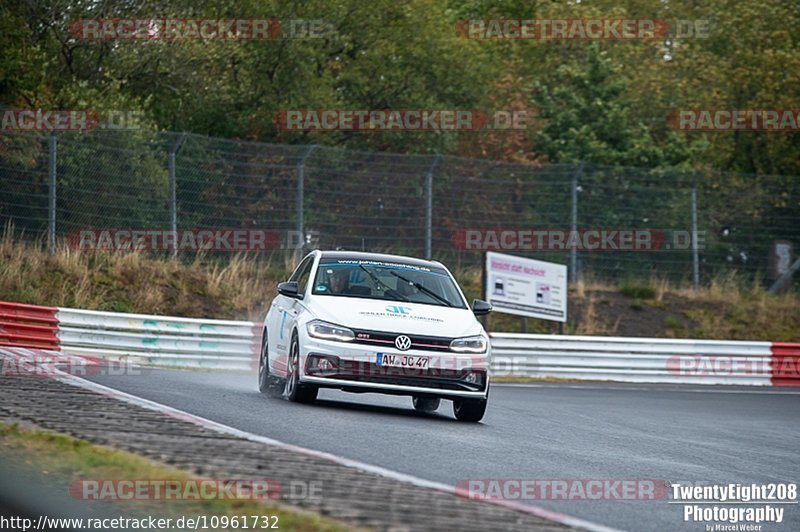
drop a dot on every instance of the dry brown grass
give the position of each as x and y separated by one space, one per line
731 308
589 322
586 284
726 308
242 286
661 286
132 281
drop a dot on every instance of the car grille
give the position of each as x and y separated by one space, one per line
442 379
428 343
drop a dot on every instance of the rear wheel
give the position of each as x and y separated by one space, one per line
426 404
296 392
471 410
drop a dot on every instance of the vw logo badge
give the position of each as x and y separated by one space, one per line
402 342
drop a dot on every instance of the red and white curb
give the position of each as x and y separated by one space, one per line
30 326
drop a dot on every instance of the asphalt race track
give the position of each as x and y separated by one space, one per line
547 431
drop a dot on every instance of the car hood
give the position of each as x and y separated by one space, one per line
390 316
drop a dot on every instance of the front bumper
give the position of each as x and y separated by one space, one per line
448 374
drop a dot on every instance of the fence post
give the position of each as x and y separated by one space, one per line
51 204
573 253
301 177
784 281
173 193
695 255
429 206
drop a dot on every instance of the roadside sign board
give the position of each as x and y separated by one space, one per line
526 287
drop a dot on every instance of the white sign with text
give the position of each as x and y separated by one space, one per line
526 287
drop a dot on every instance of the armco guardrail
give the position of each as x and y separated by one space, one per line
138 338
186 342
656 360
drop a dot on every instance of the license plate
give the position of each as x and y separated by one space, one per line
403 361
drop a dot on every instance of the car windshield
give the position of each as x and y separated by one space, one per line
389 281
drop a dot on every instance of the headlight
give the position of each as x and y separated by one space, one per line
329 331
470 344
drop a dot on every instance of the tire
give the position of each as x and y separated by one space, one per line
470 410
268 384
296 392
426 404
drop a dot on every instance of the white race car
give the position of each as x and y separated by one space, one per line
367 322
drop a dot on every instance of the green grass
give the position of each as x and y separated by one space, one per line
62 459
637 290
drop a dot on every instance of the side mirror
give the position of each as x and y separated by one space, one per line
290 289
481 307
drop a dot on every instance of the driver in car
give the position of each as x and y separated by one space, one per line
339 281
406 290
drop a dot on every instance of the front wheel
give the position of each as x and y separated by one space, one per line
267 383
296 392
471 410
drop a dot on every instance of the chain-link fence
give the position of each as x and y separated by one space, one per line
612 222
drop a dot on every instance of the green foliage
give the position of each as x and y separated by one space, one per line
586 115
604 102
672 323
637 290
